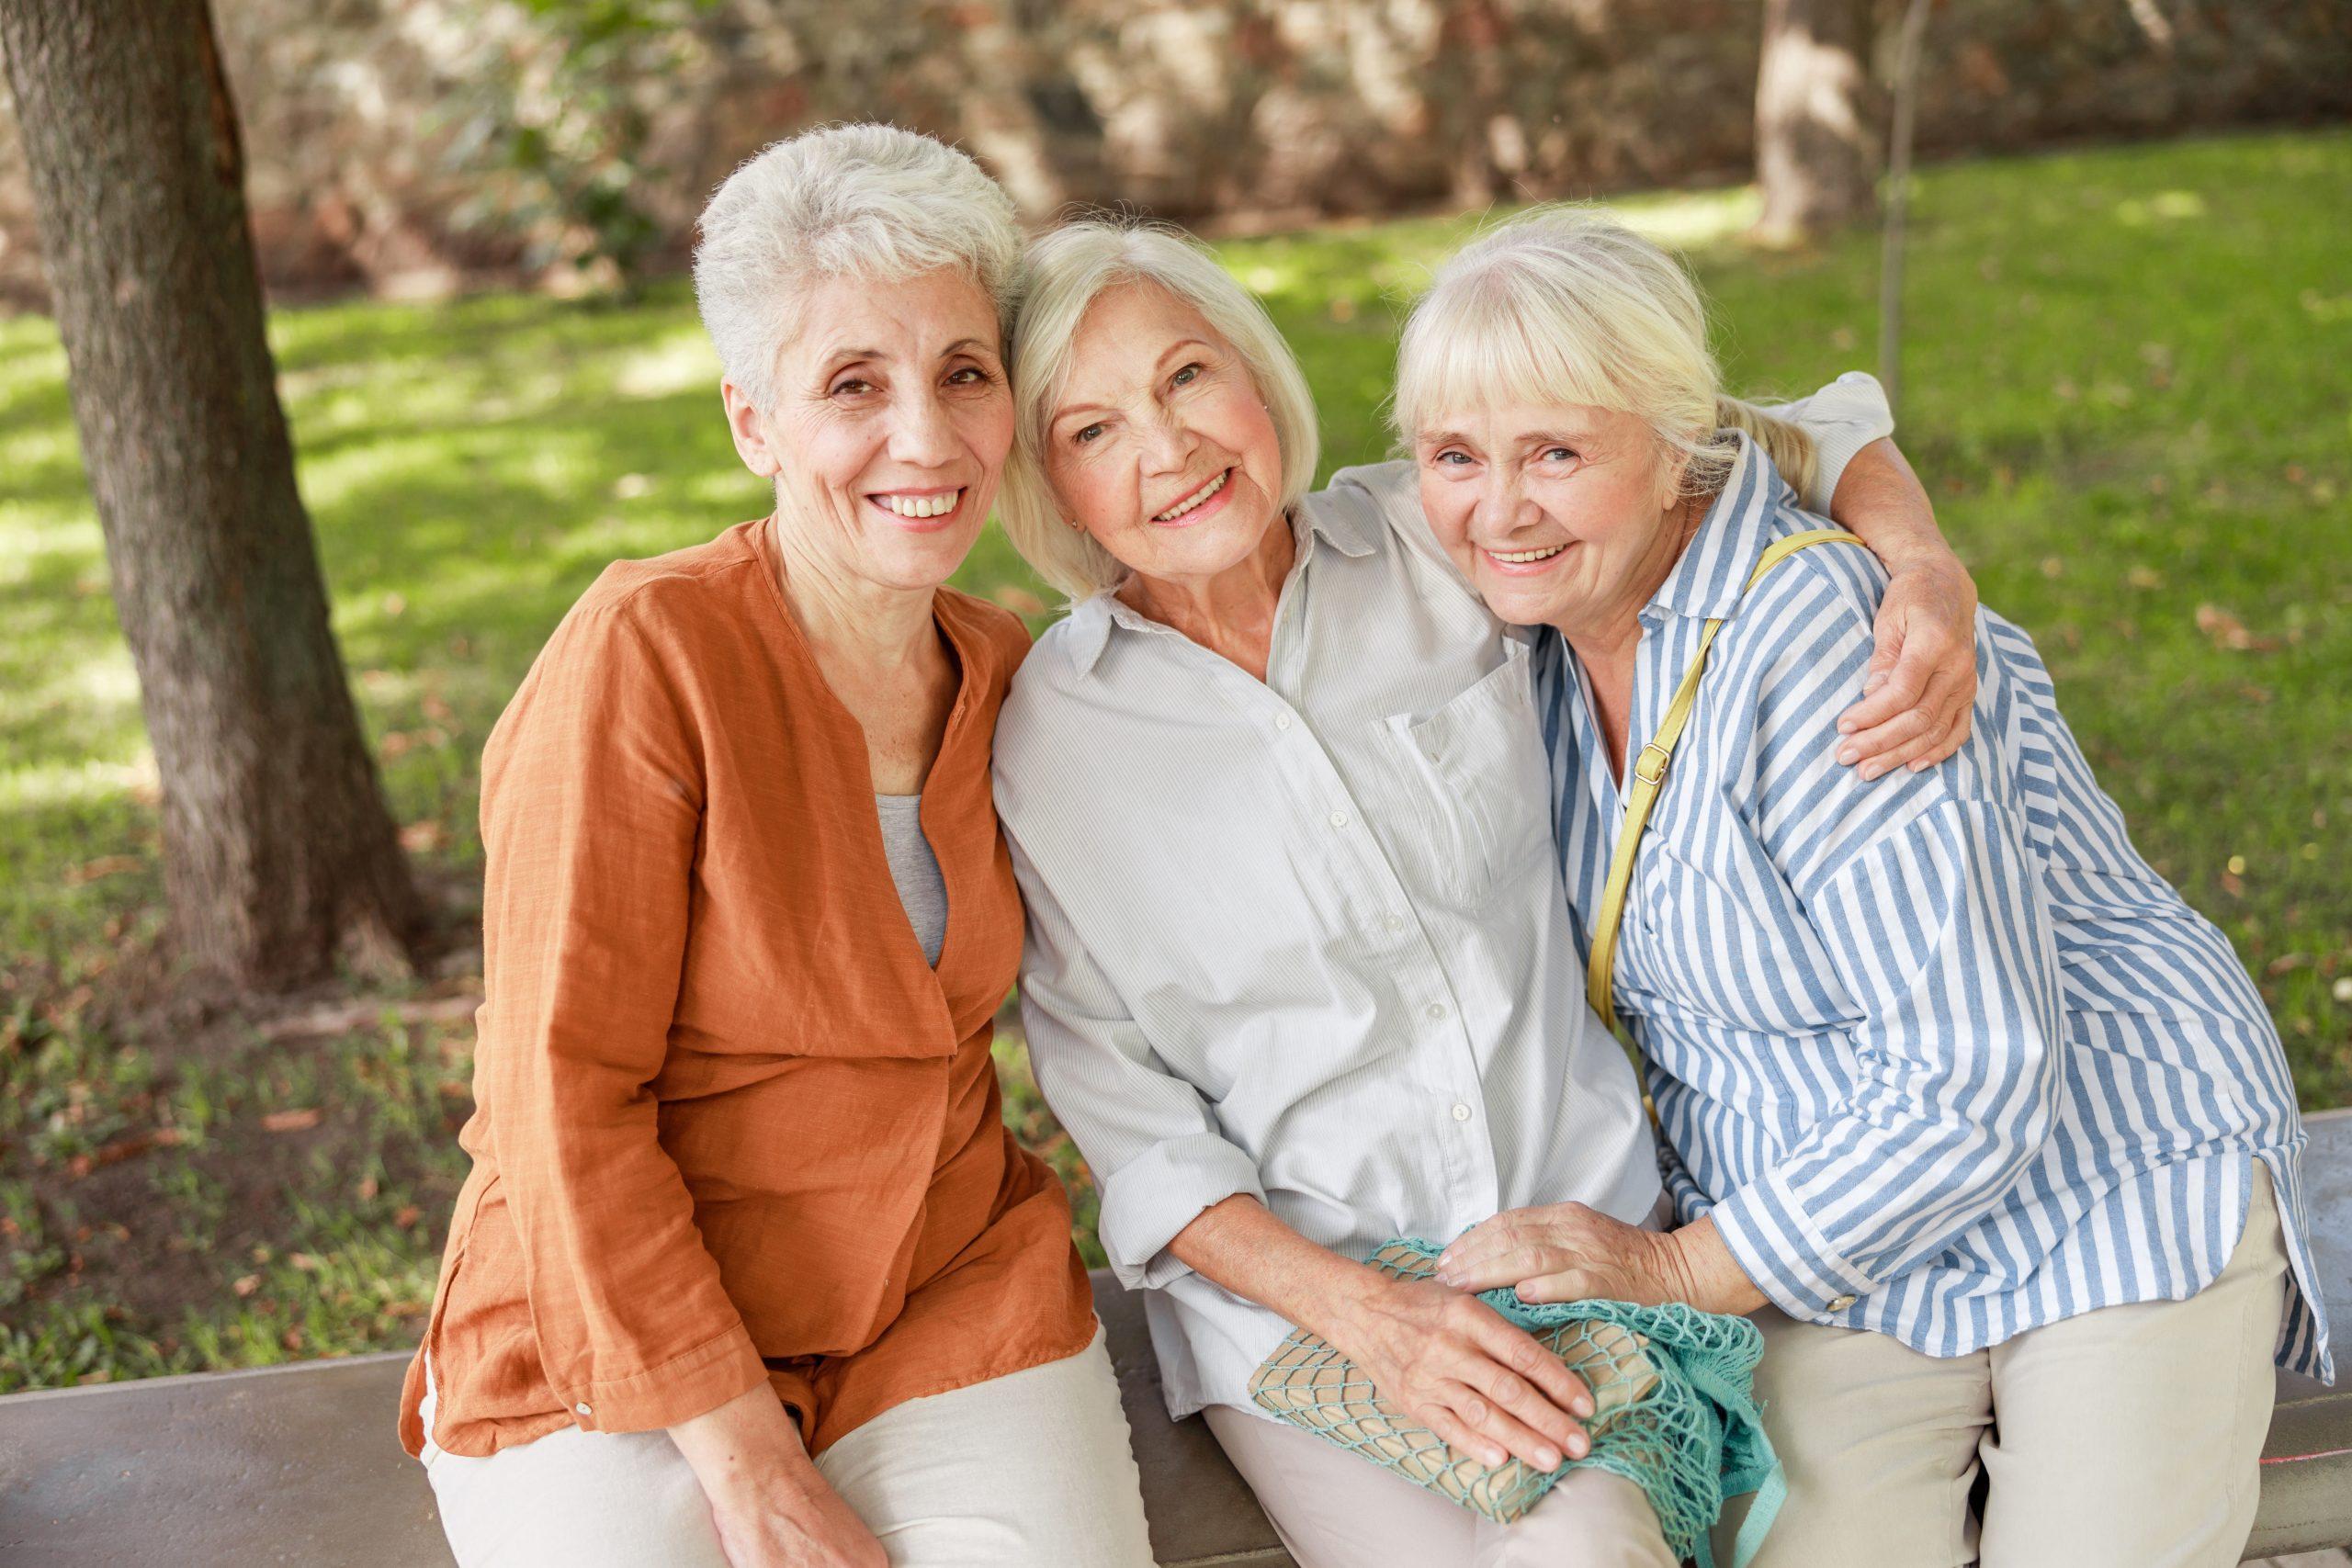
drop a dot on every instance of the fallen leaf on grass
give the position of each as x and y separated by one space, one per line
246 1284
2224 630
121 1148
291 1121
105 865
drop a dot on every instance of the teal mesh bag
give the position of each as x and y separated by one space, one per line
1674 1411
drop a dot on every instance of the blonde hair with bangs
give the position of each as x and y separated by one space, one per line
1565 305
1067 270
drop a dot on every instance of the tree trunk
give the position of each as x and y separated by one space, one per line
1814 155
278 852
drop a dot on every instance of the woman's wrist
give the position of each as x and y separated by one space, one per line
747 1451
1701 1271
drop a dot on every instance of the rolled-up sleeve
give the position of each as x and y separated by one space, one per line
1842 418
1153 1144
591 809
1923 899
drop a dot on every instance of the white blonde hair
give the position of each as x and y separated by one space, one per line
863 201
1565 305
1067 271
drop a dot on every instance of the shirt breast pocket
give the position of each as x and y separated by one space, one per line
1477 764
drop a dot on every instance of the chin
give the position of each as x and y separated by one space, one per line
913 562
1513 605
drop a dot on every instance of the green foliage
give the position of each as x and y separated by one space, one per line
556 119
2128 376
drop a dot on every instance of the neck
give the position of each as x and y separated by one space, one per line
864 624
1232 613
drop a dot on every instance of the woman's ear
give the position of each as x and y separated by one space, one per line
750 432
1673 466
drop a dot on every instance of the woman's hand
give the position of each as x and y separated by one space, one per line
1567 1252
1451 1363
1562 1252
771 1507
1922 683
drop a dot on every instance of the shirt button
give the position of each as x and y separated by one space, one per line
581 1410
1282 721
1461 1111
1841 1304
1394 923
1339 819
1436 1009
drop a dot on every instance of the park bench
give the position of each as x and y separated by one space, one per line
297 1464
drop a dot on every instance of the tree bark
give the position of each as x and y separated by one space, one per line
1813 147
279 852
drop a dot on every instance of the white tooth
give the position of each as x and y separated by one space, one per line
1197 498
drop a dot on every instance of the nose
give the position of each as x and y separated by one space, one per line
1496 512
922 436
1168 441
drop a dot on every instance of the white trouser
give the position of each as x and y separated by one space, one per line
2127 1438
1335 1509
1021 1470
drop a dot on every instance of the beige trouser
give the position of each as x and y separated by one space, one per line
1334 1509
2126 1437
1022 1471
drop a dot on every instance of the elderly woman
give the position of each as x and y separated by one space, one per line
748 1270
1987 1126
1298 976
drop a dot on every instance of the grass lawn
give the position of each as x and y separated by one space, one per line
2128 375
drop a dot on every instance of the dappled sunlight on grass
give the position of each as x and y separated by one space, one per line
2127 390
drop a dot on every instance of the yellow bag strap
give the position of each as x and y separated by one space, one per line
1648 772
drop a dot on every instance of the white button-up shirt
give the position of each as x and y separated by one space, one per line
1306 939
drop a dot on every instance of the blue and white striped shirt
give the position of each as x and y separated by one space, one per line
1941 1054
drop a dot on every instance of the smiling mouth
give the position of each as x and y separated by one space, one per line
1526 558
917 508
1195 501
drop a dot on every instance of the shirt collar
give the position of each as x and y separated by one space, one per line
1337 518
1713 574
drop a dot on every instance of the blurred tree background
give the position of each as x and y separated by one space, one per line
2127 376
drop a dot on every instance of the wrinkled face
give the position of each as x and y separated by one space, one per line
1559 516
889 429
1161 446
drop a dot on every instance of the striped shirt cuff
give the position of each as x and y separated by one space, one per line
1776 1244
1157 1194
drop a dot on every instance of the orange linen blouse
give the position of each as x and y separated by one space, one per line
730 1125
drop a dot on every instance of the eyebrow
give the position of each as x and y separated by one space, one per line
848 356
1180 345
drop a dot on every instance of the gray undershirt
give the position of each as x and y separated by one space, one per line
921 890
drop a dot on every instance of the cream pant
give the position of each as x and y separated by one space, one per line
2126 1437
1336 1510
1019 1471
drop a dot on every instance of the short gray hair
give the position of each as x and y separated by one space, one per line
865 201
1067 270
